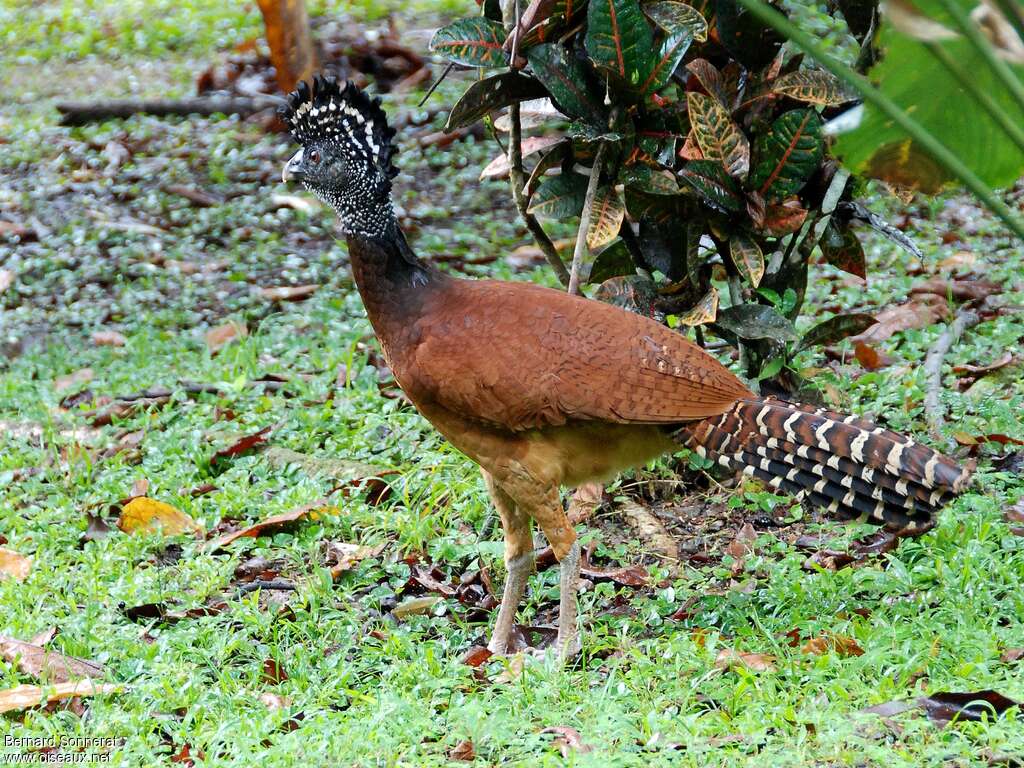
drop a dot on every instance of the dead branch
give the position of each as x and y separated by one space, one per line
965 318
82 112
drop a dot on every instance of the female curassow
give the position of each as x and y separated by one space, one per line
543 389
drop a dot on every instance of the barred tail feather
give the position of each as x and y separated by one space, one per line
843 463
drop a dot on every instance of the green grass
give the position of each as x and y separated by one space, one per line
363 688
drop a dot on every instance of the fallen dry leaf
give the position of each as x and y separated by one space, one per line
628 575
924 310
943 707
273 672
958 260
108 339
219 337
26 696
977 371
1012 654
76 379
38 662
568 741
584 502
514 670
288 292
14 565
476 656
841 645
870 358
145 515
463 751
960 290
6 279
276 522
242 445
729 658
304 204
342 556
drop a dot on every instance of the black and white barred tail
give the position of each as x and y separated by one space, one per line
843 463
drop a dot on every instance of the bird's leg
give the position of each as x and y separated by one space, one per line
518 563
569 579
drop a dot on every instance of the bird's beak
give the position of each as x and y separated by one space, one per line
293 170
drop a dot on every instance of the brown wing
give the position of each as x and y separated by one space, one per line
523 356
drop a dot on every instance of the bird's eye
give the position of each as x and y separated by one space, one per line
314 156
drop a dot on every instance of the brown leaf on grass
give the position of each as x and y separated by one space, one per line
1011 655
289 292
96 528
463 751
242 445
273 672
729 658
27 696
840 645
38 662
920 312
108 339
965 438
342 556
870 358
77 379
275 523
977 371
476 656
568 740
274 701
960 290
959 259
651 532
514 670
42 638
219 337
144 515
943 707
6 277
14 565
13 229
627 575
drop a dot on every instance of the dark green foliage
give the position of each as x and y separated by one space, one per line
714 134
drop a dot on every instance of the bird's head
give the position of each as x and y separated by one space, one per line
346 152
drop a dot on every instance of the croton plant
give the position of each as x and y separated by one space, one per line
707 137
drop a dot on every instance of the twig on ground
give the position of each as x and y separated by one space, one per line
965 318
81 112
253 586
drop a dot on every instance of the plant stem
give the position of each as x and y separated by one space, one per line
986 50
1012 129
581 236
939 152
1014 14
518 182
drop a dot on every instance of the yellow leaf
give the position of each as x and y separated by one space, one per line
606 214
841 645
14 565
146 515
25 696
756 662
704 311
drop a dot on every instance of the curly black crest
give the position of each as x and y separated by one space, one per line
343 115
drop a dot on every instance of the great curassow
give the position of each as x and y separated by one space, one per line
543 389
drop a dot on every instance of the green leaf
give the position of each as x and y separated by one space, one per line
924 88
648 180
613 261
841 248
814 86
676 18
788 154
490 95
619 39
746 255
566 79
713 184
547 161
559 197
749 322
475 42
673 49
607 210
717 135
836 329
